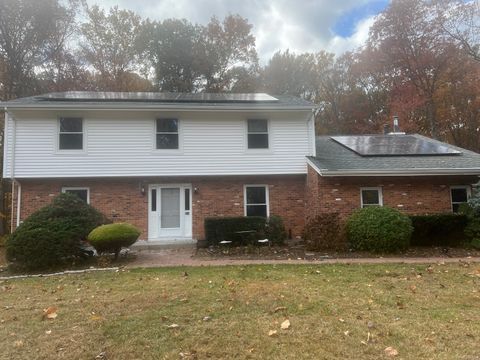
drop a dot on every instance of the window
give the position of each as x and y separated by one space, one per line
70 134
82 193
257 134
256 200
459 195
167 134
371 196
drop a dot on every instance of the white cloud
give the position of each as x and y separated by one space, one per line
298 25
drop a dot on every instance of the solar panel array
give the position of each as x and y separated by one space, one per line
393 145
158 97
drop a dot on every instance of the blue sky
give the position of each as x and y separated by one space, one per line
298 25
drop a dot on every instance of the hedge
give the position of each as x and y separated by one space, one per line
379 229
53 235
225 228
112 237
325 232
439 229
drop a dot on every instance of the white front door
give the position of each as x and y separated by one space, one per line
170 212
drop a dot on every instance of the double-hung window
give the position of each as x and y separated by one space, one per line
167 134
82 192
257 133
70 133
371 196
256 200
459 196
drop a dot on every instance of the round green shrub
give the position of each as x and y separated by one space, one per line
379 229
112 237
54 234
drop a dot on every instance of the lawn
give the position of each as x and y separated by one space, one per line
335 312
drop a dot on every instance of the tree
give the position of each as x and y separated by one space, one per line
226 47
27 29
461 21
110 44
410 47
173 48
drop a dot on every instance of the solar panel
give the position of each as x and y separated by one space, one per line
393 145
158 97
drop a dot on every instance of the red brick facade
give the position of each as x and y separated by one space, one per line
409 194
295 198
123 200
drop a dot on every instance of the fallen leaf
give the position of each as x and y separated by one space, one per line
48 332
413 289
341 320
173 326
18 343
50 312
272 333
390 351
346 333
279 308
285 325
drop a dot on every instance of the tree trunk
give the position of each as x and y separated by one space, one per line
431 114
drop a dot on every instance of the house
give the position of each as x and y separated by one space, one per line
165 162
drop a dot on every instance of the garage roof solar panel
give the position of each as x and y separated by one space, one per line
393 145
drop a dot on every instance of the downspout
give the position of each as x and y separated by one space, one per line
12 173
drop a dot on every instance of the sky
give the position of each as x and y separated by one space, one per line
298 25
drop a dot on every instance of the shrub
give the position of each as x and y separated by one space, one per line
226 228
53 234
112 237
438 229
275 230
472 229
379 229
325 232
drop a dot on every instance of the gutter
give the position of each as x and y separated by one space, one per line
395 172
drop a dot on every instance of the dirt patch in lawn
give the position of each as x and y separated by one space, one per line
298 252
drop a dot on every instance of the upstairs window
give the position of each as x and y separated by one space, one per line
167 134
459 196
71 134
371 196
256 200
257 134
82 193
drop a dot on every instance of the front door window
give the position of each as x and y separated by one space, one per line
170 209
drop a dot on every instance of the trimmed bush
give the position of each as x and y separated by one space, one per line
54 234
438 229
112 237
472 229
275 230
379 229
325 232
226 228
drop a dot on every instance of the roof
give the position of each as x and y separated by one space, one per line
334 159
159 100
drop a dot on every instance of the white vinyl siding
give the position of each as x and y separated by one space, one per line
123 144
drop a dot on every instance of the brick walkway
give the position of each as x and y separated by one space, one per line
184 257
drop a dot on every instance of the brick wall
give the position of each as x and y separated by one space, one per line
122 200
412 195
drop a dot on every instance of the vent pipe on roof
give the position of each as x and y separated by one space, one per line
396 127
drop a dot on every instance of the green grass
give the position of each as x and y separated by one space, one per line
424 314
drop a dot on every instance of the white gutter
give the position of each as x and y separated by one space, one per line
395 172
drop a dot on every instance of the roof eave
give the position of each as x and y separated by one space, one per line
401 172
147 107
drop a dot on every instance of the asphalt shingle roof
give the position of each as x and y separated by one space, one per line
154 100
333 159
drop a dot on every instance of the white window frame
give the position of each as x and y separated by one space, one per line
59 132
267 197
179 135
269 137
380 196
466 187
66 188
